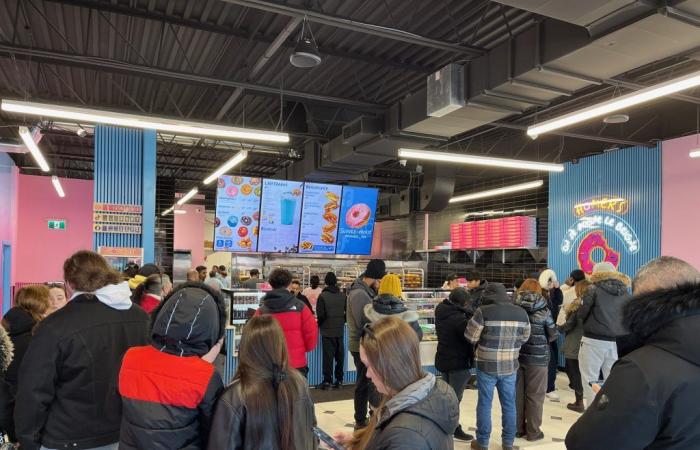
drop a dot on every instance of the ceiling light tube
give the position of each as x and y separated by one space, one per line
695 153
57 185
180 211
187 196
167 211
85 115
28 139
617 104
499 191
408 153
228 165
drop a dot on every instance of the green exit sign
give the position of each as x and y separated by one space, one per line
57 224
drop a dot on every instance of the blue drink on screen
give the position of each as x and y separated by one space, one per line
288 207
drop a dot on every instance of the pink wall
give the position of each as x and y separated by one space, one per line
680 214
189 232
40 252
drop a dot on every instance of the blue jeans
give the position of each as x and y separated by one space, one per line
505 384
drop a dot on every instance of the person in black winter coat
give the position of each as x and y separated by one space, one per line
455 355
534 360
6 355
330 313
169 387
68 396
389 303
650 399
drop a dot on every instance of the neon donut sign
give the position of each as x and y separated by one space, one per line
615 205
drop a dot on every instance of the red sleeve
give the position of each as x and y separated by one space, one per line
149 304
257 312
309 329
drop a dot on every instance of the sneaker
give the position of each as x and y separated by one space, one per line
553 395
324 386
360 425
462 436
475 446
520 434
578 407
536 437
337 385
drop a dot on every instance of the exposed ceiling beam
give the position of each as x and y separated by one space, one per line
362 27
234 32
111 65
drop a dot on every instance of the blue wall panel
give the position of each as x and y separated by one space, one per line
633 230
125 174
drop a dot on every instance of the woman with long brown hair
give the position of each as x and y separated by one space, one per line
268 406
417 410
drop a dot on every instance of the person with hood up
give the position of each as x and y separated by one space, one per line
170 386
601 312
389 303
455 354
6 355
418 411
330 311
68 395
650 399
498 329
361 293
297 321
31 306
534 360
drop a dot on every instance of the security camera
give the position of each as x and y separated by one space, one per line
81 132
403 162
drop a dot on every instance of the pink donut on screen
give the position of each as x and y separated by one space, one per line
232 191
358 215
591 242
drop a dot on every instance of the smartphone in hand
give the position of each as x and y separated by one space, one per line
327 439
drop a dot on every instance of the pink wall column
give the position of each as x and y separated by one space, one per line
189 232
40 252
680 214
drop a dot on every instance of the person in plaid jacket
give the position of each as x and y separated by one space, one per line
498 329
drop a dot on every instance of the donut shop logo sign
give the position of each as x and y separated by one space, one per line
615 205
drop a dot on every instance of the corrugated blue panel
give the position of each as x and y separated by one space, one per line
124 167
630 232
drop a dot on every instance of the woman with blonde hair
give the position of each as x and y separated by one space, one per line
417 410
573 327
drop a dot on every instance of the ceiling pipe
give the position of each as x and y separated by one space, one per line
362 27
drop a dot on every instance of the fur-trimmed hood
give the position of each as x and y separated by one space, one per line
388 305
6 350
668 318
572 307
615 283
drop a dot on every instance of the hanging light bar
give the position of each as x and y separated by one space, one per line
617 104
187 196
695 153
28 139
180 211
407 153
57 185
499 191
167 211
85 115
228 165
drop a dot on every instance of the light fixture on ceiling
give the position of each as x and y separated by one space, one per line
498 213
180 211
167 211
617 104
695 153
616 118
57 185
185 198
85 115
305 54
407 153
496 192
228 165
28 140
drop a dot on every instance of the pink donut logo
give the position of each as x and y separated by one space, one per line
592 241
358 215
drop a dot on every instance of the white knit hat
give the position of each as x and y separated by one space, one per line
604 267
547 276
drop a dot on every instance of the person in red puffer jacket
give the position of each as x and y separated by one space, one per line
297 321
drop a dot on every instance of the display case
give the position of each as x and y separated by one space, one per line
412 278
424 301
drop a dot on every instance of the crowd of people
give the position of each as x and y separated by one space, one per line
131 360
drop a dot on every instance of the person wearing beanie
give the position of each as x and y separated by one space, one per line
170 386
389 302
144 272
361 293
330 313
555 298
455 354
601 312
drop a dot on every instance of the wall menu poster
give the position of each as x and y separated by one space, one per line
237 214
319 218
280 214
356 221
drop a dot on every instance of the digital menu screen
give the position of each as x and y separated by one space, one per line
280 214
319 218
356 221
237 213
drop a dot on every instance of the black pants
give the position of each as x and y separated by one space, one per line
364 390
553 364
333 349
574 374
457 379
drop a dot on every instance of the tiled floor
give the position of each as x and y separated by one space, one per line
338 416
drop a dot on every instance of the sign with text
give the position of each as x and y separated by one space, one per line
56 224
280 214
116 218
356 221
116 228
319 218
121 252
117 208
237 213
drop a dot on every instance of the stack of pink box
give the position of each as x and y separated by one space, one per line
508 232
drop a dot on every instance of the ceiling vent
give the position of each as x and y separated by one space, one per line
446 90
361 130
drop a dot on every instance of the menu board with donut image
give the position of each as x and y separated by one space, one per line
280 214
319 218
237 214
356 221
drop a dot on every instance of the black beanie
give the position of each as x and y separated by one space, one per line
376 269
459 296
149 269
578 275
331 279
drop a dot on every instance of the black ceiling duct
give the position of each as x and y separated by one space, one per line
438 187
305 53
